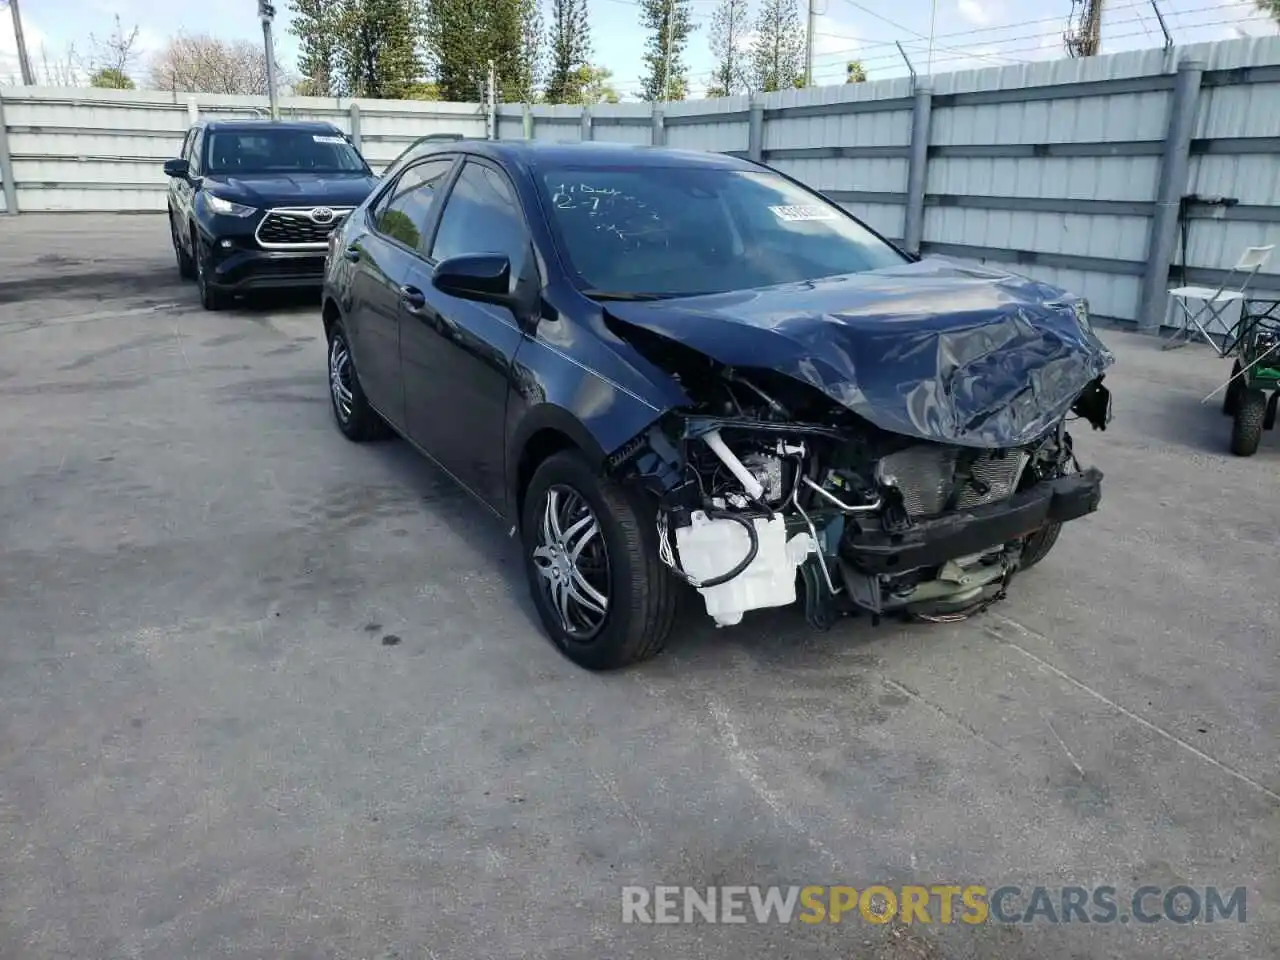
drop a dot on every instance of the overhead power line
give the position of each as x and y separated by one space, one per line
835 70
998 52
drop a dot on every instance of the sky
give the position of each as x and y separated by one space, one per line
966 34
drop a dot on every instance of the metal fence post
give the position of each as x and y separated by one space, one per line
917 170
1174 165
355 124
658 137
7 183
526 117
586 124
755 133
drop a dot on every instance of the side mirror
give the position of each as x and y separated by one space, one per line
485 277
178 169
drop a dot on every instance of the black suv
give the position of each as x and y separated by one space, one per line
252 202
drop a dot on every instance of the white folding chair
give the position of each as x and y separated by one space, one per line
1215 302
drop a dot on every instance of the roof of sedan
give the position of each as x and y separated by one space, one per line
594 153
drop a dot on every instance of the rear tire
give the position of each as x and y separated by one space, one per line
357 421
1037 546
1231 398
611 545
1246 431
186 265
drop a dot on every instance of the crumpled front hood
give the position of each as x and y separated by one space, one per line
936 349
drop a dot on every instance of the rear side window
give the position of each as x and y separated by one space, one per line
404 213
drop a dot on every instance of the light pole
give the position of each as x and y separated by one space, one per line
24 62
266 13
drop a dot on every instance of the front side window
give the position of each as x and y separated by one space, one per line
194 166
281 151
404 212
687 230
481 216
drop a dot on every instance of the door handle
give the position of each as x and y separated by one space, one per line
413 298
352 253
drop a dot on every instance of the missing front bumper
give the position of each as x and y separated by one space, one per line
967 532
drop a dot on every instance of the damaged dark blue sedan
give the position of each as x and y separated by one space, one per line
672 370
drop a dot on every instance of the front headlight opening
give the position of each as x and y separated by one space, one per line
1082 313
228 208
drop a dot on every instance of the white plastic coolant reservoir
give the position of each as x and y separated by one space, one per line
710 548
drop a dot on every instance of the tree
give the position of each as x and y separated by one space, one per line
854 72
729 28
594 85
374 49
111 61
570 51
199 63
669 24
1270 7
314 23
110 78
777 56
463 36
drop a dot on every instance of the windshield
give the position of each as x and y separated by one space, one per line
280 151
680 231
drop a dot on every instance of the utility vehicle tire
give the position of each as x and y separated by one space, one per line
358 421
587 539
210 298
186 266
1037 546
1231 396
1246 431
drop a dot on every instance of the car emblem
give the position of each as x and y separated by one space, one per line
322 215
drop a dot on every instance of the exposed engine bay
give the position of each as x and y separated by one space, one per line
769 492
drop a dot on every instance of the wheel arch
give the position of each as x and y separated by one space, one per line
544 432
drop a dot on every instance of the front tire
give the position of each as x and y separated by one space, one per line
1037 546
1251 415
591 558
210 297
358 421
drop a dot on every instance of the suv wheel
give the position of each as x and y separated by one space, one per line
186 265
210 298
591 558
355 418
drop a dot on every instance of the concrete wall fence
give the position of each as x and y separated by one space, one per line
1076 172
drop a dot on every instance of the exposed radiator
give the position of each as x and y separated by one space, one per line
925 475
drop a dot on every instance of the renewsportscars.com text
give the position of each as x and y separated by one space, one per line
934 904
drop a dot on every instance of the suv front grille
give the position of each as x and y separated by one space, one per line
297 228
926 475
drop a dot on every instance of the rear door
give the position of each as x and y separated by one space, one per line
394 234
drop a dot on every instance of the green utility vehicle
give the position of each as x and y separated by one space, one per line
1254 389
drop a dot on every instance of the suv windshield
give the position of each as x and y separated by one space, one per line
681 231
280 151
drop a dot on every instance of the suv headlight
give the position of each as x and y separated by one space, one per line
228 208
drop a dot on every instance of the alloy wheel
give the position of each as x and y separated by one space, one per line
573 563
340 381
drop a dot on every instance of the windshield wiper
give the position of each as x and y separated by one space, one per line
623 295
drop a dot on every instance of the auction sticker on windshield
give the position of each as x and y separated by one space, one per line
323 139
802 212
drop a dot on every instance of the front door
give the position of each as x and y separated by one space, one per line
457 354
